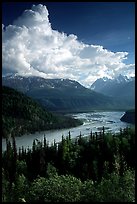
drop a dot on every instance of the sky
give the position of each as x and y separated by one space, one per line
82 41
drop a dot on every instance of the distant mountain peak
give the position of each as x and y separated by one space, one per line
121 79
117 79
105 78
122 87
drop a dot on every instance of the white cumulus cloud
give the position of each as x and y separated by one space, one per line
31 47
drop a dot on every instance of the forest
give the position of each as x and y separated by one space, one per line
129 116
97 168
21 114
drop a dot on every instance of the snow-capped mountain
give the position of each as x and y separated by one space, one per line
100 83
26 84
60 94
119 87
104 83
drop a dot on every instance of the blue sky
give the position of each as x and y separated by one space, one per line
107 24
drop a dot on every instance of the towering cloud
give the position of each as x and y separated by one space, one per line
31 47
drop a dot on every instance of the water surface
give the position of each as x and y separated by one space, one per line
91 121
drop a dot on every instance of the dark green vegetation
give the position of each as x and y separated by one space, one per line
21 114
99 168
62 95
129 117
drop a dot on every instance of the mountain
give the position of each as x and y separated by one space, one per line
27 84
105 84
60 94
21 114
121 88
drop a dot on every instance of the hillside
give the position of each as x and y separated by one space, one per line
61 94
129 117
21 114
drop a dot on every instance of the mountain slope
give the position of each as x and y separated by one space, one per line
61 94
120 88
20 114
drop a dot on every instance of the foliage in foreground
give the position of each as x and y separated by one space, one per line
85 170
70 189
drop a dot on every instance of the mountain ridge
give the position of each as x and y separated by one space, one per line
61 94
121 87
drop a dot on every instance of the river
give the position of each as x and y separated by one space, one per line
91 121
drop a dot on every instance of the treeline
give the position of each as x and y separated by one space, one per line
99 168
21 114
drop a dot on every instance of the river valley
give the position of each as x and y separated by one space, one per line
91 121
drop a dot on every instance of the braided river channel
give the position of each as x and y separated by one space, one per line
92 121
